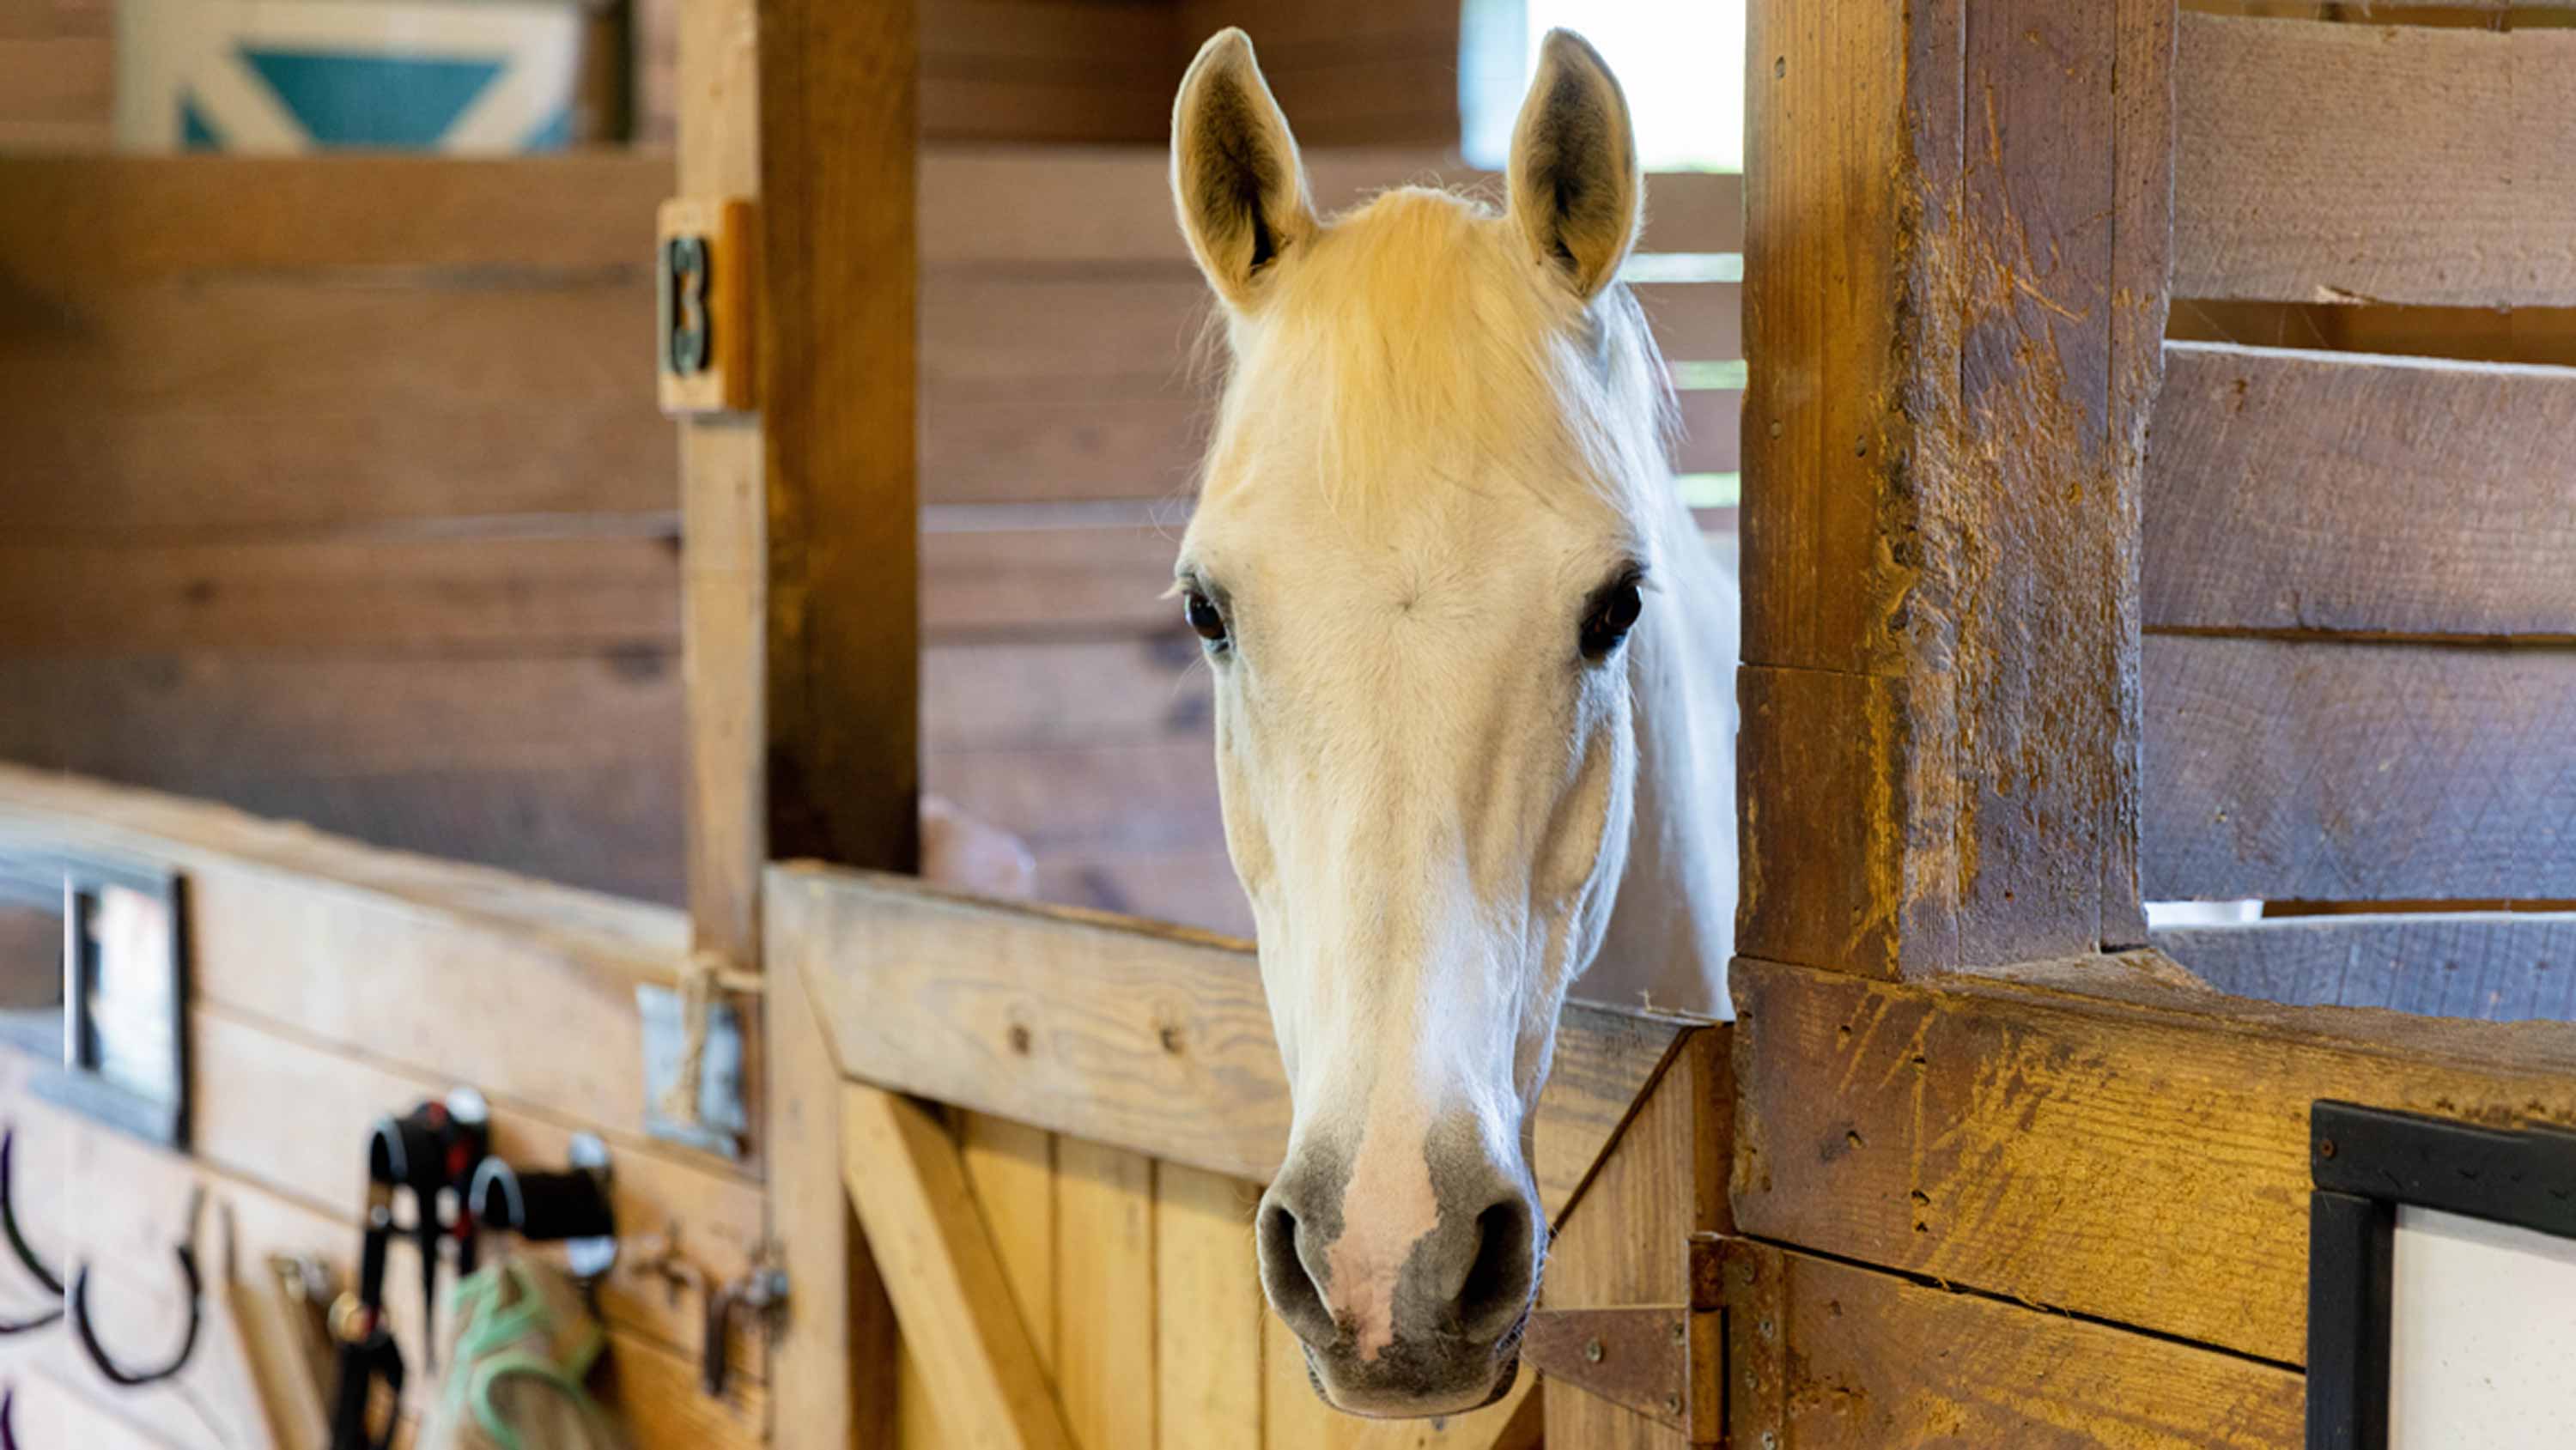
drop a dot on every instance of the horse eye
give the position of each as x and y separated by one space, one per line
1204 617
1611 619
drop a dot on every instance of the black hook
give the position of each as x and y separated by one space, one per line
98 1355
18 1245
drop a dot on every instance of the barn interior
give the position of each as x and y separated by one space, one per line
372 635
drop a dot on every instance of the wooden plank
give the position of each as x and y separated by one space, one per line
184 475
564 767
278 915
617 585
1624 1239
1047 206
1106 1327
1208 1312
2460 202
2358 772
1966 1133
1124 1034
2490 966
1873 1360
282 346
2311 491
1946 403
947 1287
1110 578
121 221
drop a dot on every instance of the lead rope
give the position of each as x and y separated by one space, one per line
697 995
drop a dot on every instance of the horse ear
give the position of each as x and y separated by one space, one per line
1235 174
1574 184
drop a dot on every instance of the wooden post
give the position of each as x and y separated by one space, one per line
801 633
1958 221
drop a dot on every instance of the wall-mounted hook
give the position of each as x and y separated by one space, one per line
18 1244
118 1374
571 1207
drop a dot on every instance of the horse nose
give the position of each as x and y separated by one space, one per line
1467 1277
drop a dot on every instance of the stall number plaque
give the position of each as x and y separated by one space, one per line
704 254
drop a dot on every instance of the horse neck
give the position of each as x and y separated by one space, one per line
1672 926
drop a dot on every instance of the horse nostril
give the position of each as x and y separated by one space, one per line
1497 1289
1293 1292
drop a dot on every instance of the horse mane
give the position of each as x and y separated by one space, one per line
1413 341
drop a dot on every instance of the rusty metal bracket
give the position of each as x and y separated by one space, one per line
1666 1362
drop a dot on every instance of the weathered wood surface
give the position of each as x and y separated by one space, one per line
2490 966
1155 1040
2358 772
2107 1145
2460 200
1839 1357
1956 229
2316 491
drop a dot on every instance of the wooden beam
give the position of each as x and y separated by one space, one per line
1956 228
2490 966
800 627
1833 1356
2097 1142
2462 201
904 1174
1153 1039
2322 771
2316 491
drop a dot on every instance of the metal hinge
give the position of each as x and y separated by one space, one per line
1666 1362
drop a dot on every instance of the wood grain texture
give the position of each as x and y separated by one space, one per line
2490 966
1107 1320
1967 1133
2311 491
561 767
903 1173
2460 201
1870 1361
1208 1310
616 586
1624 1239
2358 772
1156 1040
1956 236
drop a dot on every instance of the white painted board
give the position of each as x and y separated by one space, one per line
2482 1336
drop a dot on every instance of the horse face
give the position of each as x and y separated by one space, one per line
1416 573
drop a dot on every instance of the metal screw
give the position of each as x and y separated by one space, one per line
1770 1441
1770 1330
1592 1350
1672 1404
1681 1332
1747 1274
2325 1147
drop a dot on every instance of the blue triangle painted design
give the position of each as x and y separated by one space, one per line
389 102
554 134
195 133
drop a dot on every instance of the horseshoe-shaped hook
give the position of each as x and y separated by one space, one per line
117 1374
18 1245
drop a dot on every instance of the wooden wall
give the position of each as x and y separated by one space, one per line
1104 71
332 984
368 520
338 493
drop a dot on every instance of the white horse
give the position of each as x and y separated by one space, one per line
1474 695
